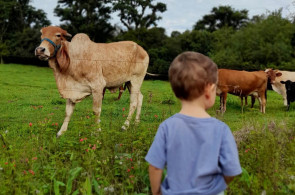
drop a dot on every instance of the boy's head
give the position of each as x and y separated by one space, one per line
190 73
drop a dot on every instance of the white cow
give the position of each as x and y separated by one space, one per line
275 78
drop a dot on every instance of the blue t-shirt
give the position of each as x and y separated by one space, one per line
197 153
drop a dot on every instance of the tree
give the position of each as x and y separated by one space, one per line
17 18
133 15
91 17
264 43
222 16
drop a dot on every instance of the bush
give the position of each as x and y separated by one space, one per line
267 157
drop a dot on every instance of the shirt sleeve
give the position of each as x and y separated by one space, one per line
156 155
229 156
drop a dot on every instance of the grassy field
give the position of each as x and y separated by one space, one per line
84 161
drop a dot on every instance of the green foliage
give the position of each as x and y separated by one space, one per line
271 45
266 155
90 17
133 13
222 16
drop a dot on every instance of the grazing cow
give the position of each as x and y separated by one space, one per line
242 84
82 67
275 78
290 88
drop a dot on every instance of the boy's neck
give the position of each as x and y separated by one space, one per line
194 108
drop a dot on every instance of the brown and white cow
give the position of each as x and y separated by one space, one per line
82 67
242 84
275 78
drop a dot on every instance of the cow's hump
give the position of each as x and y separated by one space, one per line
80 37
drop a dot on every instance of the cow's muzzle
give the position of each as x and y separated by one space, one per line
40 53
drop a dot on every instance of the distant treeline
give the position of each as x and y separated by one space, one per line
228 36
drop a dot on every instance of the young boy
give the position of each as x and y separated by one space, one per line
199 151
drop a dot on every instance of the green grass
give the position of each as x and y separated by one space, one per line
113 160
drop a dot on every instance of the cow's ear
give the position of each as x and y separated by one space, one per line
63 58
283 82
278 74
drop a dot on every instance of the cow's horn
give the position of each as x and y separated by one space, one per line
68 35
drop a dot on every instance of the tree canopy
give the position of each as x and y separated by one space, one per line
222 16
134 14
90 17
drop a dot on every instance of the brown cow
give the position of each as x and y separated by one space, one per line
82 67
242 83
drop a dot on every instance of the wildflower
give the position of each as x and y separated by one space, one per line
25 172
85 138
123 109
120 144
128 170
131 176
156 116
132 167
130 159
6 163
81 140
3 146
87 117
123 115
97 178
87 150
32 172
247 150
89 145
94 147
120 163
30 124
34 158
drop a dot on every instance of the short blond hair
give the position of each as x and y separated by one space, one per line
190 73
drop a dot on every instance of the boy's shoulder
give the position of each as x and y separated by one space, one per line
181 118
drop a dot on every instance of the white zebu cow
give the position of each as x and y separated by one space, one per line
275 78
82 67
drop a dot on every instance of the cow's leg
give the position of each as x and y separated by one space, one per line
135 100
285 100
97 102
220 100
262 102
69 111
121 90
224 102
132 107
139 104
242 101
246 100
288 105
104 91
252 101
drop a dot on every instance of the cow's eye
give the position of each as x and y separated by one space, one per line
58 35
